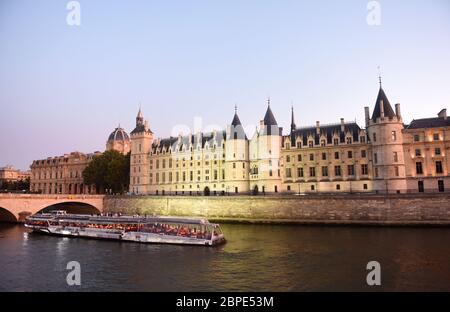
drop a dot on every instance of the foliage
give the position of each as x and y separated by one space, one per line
21 185
109 171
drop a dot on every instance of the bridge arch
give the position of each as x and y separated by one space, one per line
73 206
7 216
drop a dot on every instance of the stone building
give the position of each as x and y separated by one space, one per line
61 174
11 174
426 148
204 163
64 174
386 155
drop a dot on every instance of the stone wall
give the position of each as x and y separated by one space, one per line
398 209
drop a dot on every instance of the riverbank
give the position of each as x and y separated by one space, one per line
353 209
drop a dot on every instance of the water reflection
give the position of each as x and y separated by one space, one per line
256 258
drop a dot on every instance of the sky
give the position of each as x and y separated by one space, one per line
187 63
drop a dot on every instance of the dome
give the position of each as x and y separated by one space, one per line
118 134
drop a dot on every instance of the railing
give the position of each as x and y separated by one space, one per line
50 196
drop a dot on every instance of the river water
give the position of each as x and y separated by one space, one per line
255 258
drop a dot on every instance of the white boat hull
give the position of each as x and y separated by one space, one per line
141 237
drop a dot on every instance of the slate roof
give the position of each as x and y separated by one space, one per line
328 131
236 121
196 139
118 134
140 128
388 111
269 119
436 122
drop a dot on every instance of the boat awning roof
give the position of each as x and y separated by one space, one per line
122 219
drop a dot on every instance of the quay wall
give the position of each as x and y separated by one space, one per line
367 209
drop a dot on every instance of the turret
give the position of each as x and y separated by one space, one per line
236 156
386 137
265 153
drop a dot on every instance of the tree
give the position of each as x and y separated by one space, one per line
110 170
18 186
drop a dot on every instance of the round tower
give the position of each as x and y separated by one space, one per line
384 129
236 157
268 147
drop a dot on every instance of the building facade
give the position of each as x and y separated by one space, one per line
384 156
11 174
64 174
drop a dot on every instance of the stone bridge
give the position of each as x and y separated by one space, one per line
15 207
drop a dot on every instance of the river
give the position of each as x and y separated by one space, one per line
255 258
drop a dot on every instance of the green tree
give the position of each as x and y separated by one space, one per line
109 171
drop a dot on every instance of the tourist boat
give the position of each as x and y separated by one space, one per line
165 230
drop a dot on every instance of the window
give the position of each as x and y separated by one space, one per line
349 140
416 138
299 157
351 170
234 165
394 136
338 187
362 139
324 171
419 169
420 186
436 136
363 153
288 173
365 186
322 143
288 187
312 171
418 153
288 145
310 143
312 187
439 167
288 158
441 186
299 144
395 154
336 141
270 173
336 155
374 137
375 158
349 154
300 172
437 151
364 169
376 172
337 171
396 170
324 156
311 157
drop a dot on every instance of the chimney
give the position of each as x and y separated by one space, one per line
397 111
443 114
318 127
381 109
367 114
342 125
